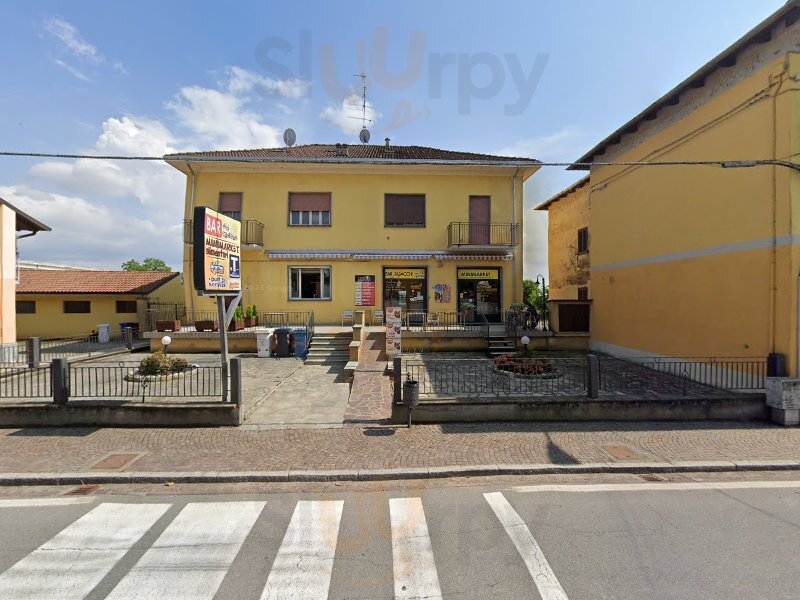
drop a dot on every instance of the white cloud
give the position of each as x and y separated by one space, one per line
241 81
71 70
73 44
562 145
221 120
347 116
91 233
69 36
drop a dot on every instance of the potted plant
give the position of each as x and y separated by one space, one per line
238 320
168 325
206 325
468 309
250 317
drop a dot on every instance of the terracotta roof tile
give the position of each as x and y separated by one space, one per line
351 151
41 281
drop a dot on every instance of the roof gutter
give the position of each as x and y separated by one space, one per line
348 161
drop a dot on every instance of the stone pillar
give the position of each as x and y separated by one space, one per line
783 399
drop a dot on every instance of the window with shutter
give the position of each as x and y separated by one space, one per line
230 204
404 210
310 208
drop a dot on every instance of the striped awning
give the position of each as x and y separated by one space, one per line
329 255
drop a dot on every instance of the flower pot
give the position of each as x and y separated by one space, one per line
206 325
250 321
236 325
168 325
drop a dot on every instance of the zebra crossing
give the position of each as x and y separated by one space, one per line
200 542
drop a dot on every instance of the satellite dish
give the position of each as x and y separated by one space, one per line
289 137
364 136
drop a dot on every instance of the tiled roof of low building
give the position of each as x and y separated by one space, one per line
33 281
355 152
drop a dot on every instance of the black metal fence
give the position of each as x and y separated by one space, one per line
22 382
124 381
478 378
482 234
428 320
209 319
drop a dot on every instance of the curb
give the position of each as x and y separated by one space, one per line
352 475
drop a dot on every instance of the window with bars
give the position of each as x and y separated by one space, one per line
77 306
309 283
404 210
583 293
310 209
26 307
583 240
230 204
126 306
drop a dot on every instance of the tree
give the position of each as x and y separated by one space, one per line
533 297
148 264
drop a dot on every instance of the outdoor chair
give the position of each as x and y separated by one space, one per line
347 315
432 319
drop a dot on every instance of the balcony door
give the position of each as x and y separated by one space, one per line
479 219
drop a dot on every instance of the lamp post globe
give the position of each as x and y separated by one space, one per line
166 341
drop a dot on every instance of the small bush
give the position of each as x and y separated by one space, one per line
159 363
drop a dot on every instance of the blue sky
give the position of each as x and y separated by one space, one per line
540 79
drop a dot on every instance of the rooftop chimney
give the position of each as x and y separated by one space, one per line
341 149
387 142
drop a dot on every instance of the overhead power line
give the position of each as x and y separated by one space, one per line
726 164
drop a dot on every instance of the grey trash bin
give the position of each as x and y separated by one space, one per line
410 396
282 342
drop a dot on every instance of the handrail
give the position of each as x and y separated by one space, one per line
482 234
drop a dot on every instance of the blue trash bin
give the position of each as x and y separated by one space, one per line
300 343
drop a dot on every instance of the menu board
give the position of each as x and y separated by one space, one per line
365 290
217 252
393 328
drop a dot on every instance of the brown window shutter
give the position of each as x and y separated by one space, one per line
414 210
230 202
393 209
310 201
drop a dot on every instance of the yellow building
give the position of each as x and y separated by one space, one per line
12 220
62 303
691 260
333 228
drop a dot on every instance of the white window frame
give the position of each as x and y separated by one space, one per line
307 218
296 271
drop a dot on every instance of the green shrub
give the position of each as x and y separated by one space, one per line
159 363
237 314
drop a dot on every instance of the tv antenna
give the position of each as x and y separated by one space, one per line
365 120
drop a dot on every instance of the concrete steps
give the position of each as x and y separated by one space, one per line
329 348
500 344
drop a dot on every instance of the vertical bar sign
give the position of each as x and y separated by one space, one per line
217 251
365 290
393 329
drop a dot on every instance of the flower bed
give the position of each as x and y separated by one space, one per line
520 366
160 367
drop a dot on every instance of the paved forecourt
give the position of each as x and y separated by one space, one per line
552 542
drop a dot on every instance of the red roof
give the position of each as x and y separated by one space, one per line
334 152
42 281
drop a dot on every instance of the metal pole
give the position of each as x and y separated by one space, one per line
223 345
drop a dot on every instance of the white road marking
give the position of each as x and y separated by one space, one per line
413 564
193 554
74 561
543 576
665 486
304 562
34 502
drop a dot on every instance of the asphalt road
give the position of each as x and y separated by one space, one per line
623 541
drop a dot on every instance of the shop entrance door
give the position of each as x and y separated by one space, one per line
479 295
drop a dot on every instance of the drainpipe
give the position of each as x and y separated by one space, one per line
191 254
514 251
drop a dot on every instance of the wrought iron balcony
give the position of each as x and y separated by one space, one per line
252 233
482 235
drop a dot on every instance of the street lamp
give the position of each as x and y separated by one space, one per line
166 341
540 280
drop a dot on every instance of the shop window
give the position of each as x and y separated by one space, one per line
404 210
307 209
583 240
230 205
309 283
126 306
77 306
26 307
583 293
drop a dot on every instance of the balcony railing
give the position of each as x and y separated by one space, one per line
252 233
482 234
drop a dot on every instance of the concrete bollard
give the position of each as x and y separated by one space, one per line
33 346
236 381
592 376
59 379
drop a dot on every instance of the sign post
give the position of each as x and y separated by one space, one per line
217 270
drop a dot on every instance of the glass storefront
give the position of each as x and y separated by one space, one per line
406 288
479 294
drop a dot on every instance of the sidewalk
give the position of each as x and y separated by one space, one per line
424 450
